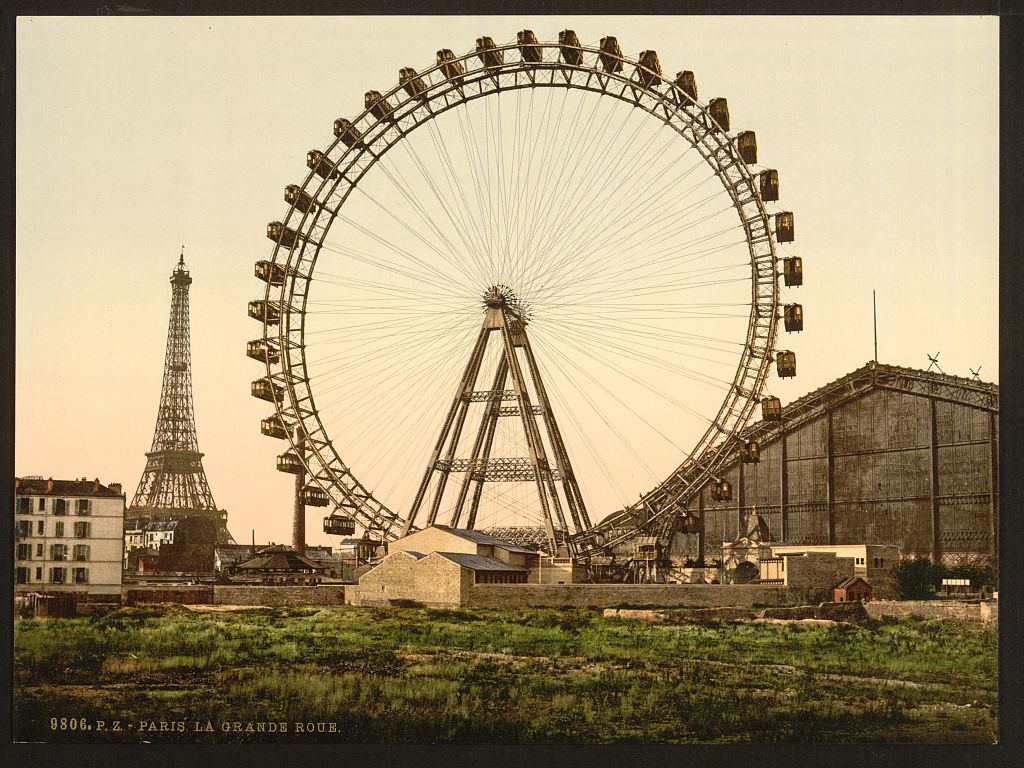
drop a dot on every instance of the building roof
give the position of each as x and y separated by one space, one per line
533 537
160 525
37 486
851 581
479 562
482 538
278 558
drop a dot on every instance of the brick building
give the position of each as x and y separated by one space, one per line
68 535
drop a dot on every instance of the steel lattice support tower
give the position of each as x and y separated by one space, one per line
547 466
174 484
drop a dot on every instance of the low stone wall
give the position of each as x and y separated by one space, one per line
984 611
273 597
615 595
852 612
184 595
682 614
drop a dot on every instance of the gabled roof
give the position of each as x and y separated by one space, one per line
278 558
37 486
479 537
871 376
851 581
479 562
160 525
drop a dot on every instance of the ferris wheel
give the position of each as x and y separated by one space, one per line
535 284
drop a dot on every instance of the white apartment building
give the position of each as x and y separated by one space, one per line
68 536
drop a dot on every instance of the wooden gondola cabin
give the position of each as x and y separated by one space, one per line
290 463
412 83
262 350
746 145
265 311
649 70
719 109
273 426
350 135
750 453
339 525
611 54
686 82
489 53
528 46
315 496
771 409
379 106
265 389
269 272
793 271
784 230
569 47
769 183
793 317
318 163
297 196
785 362
721 491
450 67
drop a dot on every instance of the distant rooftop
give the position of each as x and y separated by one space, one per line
37 486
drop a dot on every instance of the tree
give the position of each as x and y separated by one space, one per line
919 579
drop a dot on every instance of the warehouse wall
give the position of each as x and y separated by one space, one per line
907 469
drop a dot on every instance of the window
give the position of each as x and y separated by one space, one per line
60 506
58 528
24 506
84 507
23 528
57 575
24 552
58 551
81 575
42 504
39 573
21 575
81 551
40 527
83 530
39 550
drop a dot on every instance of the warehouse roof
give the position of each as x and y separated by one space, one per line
482 538
479 562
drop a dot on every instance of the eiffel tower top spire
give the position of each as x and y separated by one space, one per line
174 484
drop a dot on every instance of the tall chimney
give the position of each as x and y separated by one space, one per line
49 485
96 485
17 484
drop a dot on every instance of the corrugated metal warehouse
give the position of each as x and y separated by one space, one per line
884 455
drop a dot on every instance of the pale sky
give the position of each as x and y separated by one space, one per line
136 135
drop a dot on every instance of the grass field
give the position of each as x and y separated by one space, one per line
510 676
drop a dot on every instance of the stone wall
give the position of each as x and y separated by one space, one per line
985 611
613 595
184 595
333 594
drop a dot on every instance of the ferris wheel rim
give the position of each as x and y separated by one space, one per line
331 472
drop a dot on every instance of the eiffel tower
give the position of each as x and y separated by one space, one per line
547 465
173 484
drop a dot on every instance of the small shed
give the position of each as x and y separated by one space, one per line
852 590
